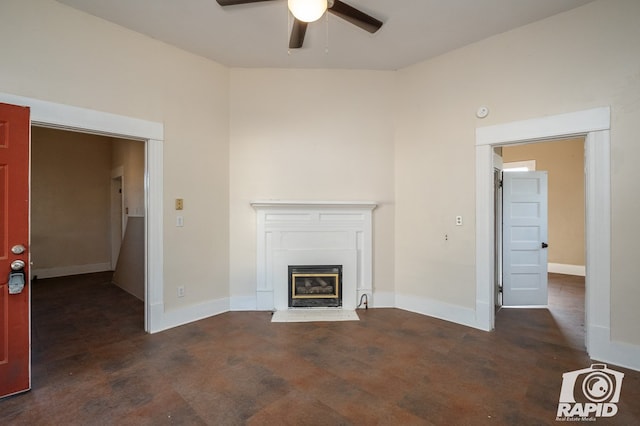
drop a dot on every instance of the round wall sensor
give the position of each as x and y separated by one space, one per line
482 112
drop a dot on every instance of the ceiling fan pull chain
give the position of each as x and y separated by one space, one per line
326 44
289 24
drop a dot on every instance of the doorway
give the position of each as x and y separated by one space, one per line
55 115
563 162
595 124
81 212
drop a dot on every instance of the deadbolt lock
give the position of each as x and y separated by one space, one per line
18 249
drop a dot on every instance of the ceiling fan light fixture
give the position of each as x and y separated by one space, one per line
307 10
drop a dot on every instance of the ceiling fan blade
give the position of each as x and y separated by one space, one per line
354 16
235 2
297 34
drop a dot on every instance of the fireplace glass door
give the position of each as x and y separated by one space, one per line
313 286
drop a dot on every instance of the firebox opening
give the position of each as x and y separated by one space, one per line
312 286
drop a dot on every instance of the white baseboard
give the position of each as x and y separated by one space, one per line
249 303
243 303
621 354
63 271
383 299
163 320
483 320
437 309
561 268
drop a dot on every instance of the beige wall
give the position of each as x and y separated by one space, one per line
62 55
310 135
564 162
585 58
70 201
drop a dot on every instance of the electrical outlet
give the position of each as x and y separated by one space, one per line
458 220
181 291
179 204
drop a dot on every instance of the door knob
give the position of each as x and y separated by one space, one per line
18 249
545 245
17 265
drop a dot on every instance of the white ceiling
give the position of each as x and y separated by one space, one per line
256 35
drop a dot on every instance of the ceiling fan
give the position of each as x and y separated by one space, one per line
336 7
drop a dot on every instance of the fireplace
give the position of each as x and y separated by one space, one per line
303 233
314 286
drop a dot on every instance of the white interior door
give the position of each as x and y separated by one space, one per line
524 239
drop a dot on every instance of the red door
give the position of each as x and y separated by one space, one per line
15 335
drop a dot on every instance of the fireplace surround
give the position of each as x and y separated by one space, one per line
313 233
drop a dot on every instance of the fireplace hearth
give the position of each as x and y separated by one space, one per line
315 286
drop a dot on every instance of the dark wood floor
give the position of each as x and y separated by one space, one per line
93 364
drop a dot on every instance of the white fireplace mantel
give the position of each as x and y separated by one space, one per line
311 204
313 233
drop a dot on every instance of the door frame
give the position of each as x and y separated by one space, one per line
594 125
117 213
66 117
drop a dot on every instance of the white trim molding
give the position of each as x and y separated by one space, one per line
437 309
68 117
154 253
165 320
554 126
562 268
63 271
383 299
594 124
612 352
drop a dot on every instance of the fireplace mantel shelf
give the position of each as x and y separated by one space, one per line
313 204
